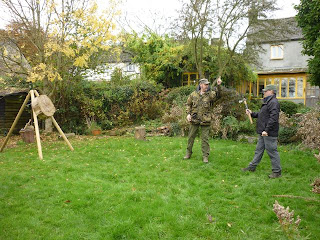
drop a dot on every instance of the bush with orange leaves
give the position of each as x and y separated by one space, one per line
284 120
309 128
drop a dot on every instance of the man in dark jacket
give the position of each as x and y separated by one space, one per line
199 110
267 128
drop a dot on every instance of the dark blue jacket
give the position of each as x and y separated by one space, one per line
268 117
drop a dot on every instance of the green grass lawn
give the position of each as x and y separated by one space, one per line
120 188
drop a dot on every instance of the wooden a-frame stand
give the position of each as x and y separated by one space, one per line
32 94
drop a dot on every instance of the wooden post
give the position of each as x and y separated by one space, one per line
15 121
36 125
61 133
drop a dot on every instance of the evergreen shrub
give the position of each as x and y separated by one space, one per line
287 135
289 107
179 95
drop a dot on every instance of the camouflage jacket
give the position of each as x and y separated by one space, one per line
200 106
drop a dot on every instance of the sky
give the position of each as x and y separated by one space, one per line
146 11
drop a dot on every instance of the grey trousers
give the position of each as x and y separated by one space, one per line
269 144
205 132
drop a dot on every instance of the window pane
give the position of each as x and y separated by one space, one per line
277 51
193 78
284 87
292 87
268 81
261 86
274 52
280 51
276 83
254 89
185 79
300 87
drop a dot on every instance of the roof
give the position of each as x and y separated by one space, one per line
13 91
116 57
283 29
14 59
282 70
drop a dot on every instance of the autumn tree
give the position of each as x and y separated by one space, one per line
308 18
195 25
60 40
226 25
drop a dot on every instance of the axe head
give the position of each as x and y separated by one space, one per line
242 100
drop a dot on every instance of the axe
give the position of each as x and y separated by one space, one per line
245 103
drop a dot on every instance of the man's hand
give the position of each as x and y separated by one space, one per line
219 81
264 134
248 111
189 118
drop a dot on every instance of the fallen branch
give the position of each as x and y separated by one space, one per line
291 196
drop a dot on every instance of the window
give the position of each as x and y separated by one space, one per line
190 78
288 86
130 68
277 52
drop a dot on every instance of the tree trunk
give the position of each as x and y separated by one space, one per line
140 133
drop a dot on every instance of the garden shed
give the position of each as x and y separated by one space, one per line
11 100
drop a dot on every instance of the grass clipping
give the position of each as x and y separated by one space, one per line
316 186
289 225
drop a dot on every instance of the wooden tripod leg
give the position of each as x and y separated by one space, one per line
36 126
36 93
15 121
61 133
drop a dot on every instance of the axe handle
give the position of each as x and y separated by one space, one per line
250 118
249 115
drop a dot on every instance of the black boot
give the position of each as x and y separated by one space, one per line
205 159
275 175
248 169
187 156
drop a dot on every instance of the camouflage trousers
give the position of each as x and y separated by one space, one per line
193 131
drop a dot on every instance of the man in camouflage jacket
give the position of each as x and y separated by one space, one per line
199 110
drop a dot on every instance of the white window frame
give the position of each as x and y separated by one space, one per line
276 51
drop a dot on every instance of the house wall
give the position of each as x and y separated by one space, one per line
292 57
104 73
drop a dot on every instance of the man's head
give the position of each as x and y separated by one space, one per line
269 90
204 84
